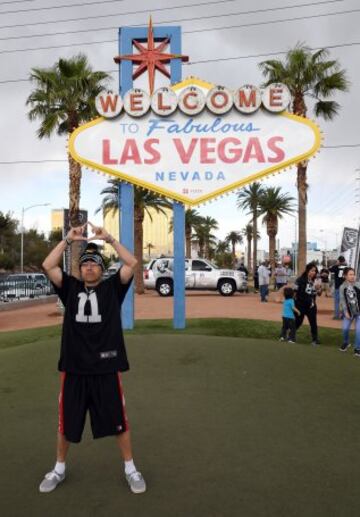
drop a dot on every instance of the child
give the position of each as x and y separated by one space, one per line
288 316
350 307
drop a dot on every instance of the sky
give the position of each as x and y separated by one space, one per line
40 32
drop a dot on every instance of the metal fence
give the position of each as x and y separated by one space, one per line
11 290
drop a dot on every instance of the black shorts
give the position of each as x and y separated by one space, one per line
102 395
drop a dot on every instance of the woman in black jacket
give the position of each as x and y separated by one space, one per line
305 300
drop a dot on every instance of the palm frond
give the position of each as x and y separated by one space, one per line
326 109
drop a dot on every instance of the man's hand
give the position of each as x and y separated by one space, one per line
77 233
99 233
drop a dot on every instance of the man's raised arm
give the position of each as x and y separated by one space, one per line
52 261
127 258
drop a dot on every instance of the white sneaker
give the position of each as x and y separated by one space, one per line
136 482
51 481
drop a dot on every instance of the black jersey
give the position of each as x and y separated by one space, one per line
338 272
92 339
305 292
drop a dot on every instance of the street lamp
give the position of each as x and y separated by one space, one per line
22 232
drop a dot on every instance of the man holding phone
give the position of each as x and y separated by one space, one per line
93 353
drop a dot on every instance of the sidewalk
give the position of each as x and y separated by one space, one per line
199 304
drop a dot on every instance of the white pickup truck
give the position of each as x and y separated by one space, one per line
200 274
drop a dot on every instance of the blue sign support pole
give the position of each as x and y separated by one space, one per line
126 192
126 225
179 265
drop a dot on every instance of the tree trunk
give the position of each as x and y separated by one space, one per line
74 206
302 200
206 251
299 108
272 229
254 264
201 249
188 241
272 245
249 255
233 254
138 249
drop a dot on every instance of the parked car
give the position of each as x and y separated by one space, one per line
200 274
148 275
111 270
37 279
24 285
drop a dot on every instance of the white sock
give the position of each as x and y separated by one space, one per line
60 467
129 467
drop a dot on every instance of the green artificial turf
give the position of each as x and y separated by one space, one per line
222 427
257 329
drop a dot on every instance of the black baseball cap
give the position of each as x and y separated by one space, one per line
91 253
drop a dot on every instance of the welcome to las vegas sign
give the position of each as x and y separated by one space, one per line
194 141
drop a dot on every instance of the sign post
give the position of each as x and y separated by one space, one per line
127 35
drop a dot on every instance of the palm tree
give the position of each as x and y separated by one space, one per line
143 200
249 199
204 237
307 74
222 247
209 224
149 246
199 238
192 220
274 205
222 256
247 232
234 238
64 98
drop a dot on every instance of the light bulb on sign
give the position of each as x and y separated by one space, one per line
164 101
136 102
108 104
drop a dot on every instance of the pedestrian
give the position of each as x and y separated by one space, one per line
256 279
350 307
306 290
281 276
325 285
243 269
264 279
93 353
288 331
338 272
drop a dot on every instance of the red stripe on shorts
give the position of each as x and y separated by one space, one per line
122 398
61 403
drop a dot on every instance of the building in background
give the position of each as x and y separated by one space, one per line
57 219
312 246
60 219
157 238
261 255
